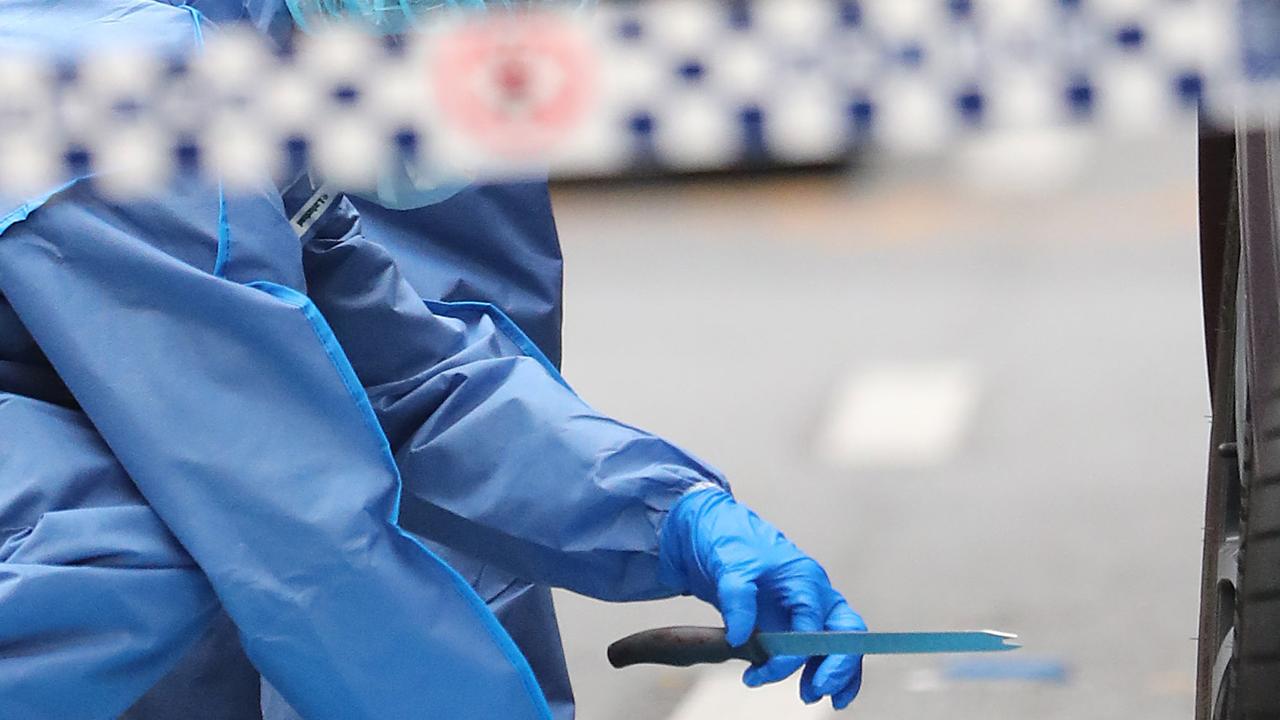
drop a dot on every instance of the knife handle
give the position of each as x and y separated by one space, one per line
682 647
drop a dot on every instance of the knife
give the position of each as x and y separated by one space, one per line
685 646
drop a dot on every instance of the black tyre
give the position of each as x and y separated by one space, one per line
1240 610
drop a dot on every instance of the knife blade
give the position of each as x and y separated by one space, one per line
686 646
884 643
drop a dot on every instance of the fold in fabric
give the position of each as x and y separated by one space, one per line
97 599
500 458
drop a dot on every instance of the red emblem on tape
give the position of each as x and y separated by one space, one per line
515 83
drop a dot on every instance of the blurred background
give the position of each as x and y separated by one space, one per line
980 402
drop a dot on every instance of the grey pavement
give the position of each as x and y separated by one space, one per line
723 315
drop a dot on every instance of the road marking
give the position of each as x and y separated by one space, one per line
900 415
922 680
720 694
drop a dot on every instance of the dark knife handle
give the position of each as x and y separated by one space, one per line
682 647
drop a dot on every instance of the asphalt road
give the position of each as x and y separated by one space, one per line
1048 482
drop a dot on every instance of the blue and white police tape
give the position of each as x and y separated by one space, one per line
679 84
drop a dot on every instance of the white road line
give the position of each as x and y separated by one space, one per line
720 695
901 415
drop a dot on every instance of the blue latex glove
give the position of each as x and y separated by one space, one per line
723 553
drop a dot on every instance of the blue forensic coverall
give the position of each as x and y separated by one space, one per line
495 244
187 348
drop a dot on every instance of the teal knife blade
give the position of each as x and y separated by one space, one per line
884 643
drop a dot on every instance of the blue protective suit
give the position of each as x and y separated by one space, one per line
493 244
200 412
509 258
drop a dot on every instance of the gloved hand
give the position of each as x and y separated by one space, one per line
723 553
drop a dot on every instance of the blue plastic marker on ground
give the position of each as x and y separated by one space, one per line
1044 670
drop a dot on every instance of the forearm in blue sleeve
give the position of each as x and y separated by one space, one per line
499 457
